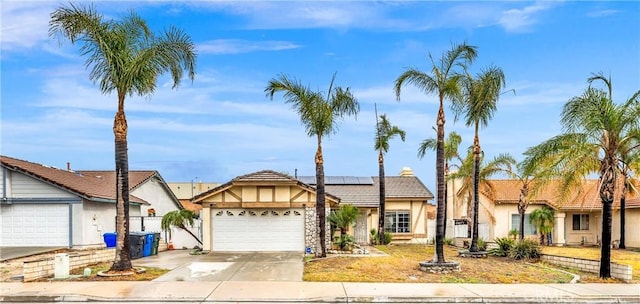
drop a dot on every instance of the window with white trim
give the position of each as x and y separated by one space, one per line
397 221
580 222
529 229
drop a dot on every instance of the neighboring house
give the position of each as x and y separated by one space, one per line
46 206
261 211
407 207
185 191
578 219
147 185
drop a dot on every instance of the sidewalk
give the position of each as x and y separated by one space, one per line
292 292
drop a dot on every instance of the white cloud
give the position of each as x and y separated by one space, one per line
530 93
24 23
521 20
239 46
602 13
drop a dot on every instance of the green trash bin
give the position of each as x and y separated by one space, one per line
156 243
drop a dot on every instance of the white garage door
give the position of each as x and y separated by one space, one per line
34 225
257 230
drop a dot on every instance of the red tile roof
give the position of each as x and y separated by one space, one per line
587 198
87 186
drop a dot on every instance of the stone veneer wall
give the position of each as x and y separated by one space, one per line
620 271
36 269
311 229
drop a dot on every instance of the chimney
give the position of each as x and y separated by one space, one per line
68 166
406 171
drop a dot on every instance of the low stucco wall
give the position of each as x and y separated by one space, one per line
41 268
619 271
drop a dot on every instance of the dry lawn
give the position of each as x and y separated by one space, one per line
149 274
401 266
621 256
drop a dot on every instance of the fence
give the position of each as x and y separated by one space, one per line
178 237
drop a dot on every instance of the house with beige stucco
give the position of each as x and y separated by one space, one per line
578 218
272 211
408 205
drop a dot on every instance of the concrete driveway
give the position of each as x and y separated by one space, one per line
229 266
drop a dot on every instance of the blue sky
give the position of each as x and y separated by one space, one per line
222 125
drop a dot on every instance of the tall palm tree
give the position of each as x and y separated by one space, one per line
385 131
500 164
320 116
595 131
478 102
444 80
125 57
180 219
543 220
451 144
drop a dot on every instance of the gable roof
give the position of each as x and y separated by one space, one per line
588 198
264 177
353 190
136 179
86 186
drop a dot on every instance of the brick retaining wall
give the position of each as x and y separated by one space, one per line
41 268
619 271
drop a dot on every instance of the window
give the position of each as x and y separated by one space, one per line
529 229
397 221
580 222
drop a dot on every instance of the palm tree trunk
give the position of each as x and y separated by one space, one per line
320 200
446 197
623 206
440 185
122 260
382 198
608 180
183 227
522 207
476 192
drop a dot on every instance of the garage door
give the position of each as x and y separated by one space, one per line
257 230
34 225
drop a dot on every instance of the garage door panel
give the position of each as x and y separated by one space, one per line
257 230
34 225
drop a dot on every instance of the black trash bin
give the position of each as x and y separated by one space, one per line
136 244
156 243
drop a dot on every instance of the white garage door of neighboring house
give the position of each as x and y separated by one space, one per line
34 225
257 229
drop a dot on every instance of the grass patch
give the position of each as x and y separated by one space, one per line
401 266
149 274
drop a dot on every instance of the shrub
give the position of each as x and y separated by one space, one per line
345 242
525 249
373 233
504 247
514 233
448 241
482 244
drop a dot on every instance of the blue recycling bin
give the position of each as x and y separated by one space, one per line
110 239
148 245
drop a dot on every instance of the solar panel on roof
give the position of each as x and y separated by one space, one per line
351 180
365 180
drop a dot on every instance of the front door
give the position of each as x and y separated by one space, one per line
361 231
